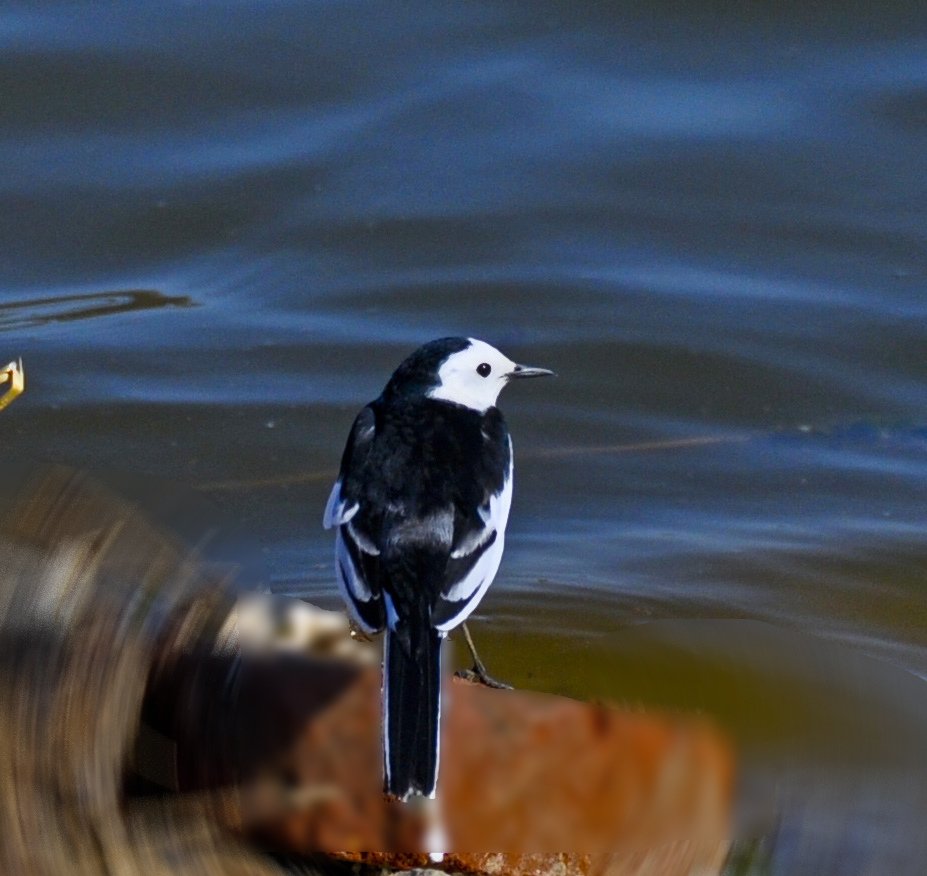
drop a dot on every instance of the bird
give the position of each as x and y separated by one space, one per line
419 510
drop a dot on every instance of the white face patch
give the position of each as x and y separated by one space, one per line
473 377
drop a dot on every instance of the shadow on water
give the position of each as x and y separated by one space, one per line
35 312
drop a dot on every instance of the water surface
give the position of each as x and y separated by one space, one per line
223 225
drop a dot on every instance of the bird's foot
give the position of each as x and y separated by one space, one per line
481 676
479 673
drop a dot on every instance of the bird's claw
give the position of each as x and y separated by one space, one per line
479 673
482 677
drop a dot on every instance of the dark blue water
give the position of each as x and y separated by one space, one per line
223 225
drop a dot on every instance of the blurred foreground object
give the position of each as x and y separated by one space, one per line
269 624
154 720
92 593
531 776
16 377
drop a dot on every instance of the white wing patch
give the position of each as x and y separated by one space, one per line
335 512
364 544
473 586
353 587
477 539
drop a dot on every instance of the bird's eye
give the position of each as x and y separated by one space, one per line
484 370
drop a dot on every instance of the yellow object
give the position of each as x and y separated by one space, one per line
17 377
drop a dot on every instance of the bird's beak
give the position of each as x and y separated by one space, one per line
527 371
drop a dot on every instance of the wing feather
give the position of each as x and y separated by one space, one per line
356 554
344 499
475 558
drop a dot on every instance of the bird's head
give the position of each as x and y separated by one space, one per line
461 370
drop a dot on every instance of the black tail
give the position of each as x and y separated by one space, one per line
412 690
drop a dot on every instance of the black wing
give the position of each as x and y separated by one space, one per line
479 536
357 558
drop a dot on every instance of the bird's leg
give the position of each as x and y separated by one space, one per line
15 375
479 673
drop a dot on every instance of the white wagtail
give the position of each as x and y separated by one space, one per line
420 508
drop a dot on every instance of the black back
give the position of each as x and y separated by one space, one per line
411 458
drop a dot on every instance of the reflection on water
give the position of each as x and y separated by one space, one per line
32 312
